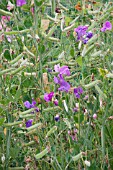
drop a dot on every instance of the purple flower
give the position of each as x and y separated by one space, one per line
57 67
89 35
20 2
82 34
57 118
106 26
78 91
48 96
64 70
81 31
56 102
64 86
29 123
29 105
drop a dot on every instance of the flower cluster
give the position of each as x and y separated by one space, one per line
48 96
106 26
82 34
29 105
64 70
78 91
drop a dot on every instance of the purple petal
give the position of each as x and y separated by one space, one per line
56 80
27 104
29 123
64 70
56 68
20 2
48 96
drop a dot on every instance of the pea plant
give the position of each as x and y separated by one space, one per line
56 87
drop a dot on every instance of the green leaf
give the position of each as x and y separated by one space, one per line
79 60
72 52
25 8
1 121
7 55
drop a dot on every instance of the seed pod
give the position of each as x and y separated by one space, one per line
6 13
12 124
16 32
6 71
17 70
16 59
92 84
34 126
102 95
77 157
41 154
52 130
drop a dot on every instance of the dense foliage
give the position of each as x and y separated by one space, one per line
56 61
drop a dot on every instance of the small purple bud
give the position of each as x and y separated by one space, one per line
57 118
94 116
29 123
56 102
27 104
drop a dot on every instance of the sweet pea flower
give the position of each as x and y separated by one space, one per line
64 86
57 118
82 34
10 6
106 26
20 2
64 70
94 116
29 105
48 96
56 102
29 123
78 91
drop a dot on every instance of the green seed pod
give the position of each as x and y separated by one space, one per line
92 84
102 95
16 32
27 111
27 116
96 54
53 39
63 7
16 59
28 144
92 40
67 122
53 3
34 126
17 70
77 157
41 154
88 50
12 124
69 27
51 31
6 71
56 108
6 13
52 130
29 52
16 168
